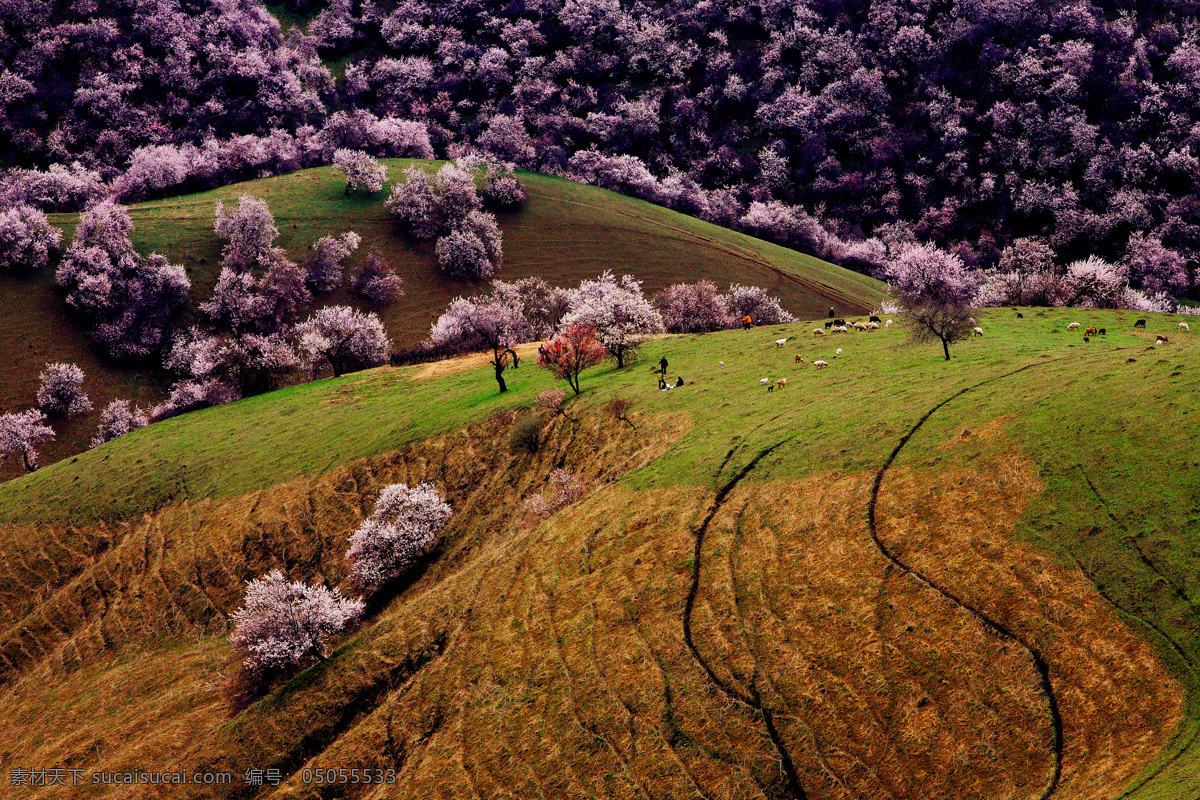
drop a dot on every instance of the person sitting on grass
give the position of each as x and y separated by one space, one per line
680 382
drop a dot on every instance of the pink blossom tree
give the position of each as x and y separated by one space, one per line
376 282
347 339
936 291
617 311
117 419
249 231
404 525
486 322
415 203
572 350
23 433
326 266
287 624
463 254
502 190
27 239
755 303
1155 268
361 170
61 392
563 488
693 308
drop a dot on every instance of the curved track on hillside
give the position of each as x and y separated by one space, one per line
995 626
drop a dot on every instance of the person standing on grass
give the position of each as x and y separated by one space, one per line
832 313
662 366
747 323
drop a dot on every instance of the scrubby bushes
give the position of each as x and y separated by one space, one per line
404 525
564 488
325 268
129 300
376 282
526 436
61 391
27 239
22 433
117 419
361 171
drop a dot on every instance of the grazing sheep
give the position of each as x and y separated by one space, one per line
1183 326
839 352
887 324
1157 342
1141 323
1074 326
820 363
860 326
765 381
1086 340
971 321
839 321
782 382
780 342
828 324
872 326
839 329
1020 315
1162 338
1103 331
1091 331
818 331
979 331
722 363
799 358
873 318
770 388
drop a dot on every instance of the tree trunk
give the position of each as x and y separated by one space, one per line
30 466
573 383
499 366
946 348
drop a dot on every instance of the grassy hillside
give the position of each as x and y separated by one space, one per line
894 577
566 232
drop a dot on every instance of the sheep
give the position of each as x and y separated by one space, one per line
839 321
1074 326
799 358
1092 331
839 352
770 388
780 342
860 326
782 382
971 321
819 363
979 331
764 381
722 363
1103 331
1141 323
872 326
818 331
887 324
828 324
1020 315
839 329
873 318
1183 326
1086 340
1162 338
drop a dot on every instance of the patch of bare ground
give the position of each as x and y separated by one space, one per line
475 361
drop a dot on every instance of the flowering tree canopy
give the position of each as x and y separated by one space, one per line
347 339
61 392
618 312
285 623
378 283
486 322
249 231
362 171
22 433
693 308
404 525
935 291
572 350
27 239
755 303
326 267
117 419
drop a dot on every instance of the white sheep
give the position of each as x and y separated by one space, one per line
1074 326
819 363
764 381
818 331
839 329
722 363
874 326
887 324
860 326
979 331
971 321
780 342
1183 326
839 352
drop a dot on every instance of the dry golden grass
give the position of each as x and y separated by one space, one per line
548 661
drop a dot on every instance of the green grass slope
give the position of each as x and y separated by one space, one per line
567 232
1037 482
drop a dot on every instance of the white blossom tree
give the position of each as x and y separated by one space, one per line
22 433
349 340
618 312
361 170
117 419
404 525
26 239
61 392
285 623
